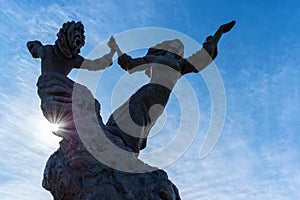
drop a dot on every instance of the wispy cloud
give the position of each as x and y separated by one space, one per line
252 160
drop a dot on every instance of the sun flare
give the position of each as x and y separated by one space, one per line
54 127
45 132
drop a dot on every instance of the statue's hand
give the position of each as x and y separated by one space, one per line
112 43
223 29
227 27
114 46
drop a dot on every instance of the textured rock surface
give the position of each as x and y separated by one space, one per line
72 172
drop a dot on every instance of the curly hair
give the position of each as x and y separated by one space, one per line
70 39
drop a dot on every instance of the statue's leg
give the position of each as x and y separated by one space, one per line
133 120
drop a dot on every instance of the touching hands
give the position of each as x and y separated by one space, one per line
112 43
114 46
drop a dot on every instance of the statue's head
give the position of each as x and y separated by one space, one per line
70 39
175 46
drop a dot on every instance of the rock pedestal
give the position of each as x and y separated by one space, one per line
72 172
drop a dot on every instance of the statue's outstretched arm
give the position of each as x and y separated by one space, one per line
223 29
130 64
209 51
204 56
35 48
100 63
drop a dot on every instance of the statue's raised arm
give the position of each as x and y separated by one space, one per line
170 53
209 52
223 29
102 62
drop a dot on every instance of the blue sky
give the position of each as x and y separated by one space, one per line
257 156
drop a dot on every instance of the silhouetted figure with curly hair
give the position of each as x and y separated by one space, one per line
54 88
63 56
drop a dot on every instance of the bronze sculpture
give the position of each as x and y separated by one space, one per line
72 172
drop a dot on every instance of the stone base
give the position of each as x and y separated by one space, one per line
73 173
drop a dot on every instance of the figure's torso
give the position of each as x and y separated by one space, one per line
166 70
52 63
